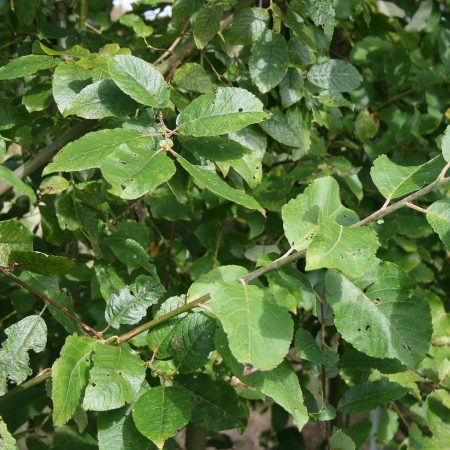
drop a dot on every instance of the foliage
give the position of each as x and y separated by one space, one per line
220 209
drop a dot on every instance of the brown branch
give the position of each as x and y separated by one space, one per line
49 301
42 376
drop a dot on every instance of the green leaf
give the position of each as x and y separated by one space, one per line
300 215
68 81
134 171
30 333
161 412
137 24
101 99
388 320
140 80
309 349
394 180
6 439
214 148
184 9
117 431
291 88
130 305
13 237
207 178
446 144
293 130
207 282
70 374
226 110
351 250
368 396
26 65
186 338
21 188
269 61
115 378
38 98
206 26
215 403
341 441
438 216
259 331
54 184
248 26
93 148
280 383
192 77
335 75
322 14
38 262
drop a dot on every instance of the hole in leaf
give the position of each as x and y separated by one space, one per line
367 327
93 384
241 109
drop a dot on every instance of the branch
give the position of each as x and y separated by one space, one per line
44 375
45 154
49 301
288 258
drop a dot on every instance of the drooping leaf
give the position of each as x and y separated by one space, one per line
38 262
13 237
19 186
129 306
30 333
207 178
206 26
300 215
280 383
438 216
215 403
335 75
259 331
226 110
351 250
368 396
388 320
115 378
140 80
161 412
70 375
307 348
269 61
26 65
394 180
92 149
248 26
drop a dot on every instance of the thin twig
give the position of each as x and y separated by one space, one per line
49 301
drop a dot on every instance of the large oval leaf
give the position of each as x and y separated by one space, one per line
226 110
140 80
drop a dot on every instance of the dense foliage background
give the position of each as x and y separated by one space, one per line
224 224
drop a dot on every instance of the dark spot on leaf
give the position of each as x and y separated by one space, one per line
93 384
367 327
241 109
